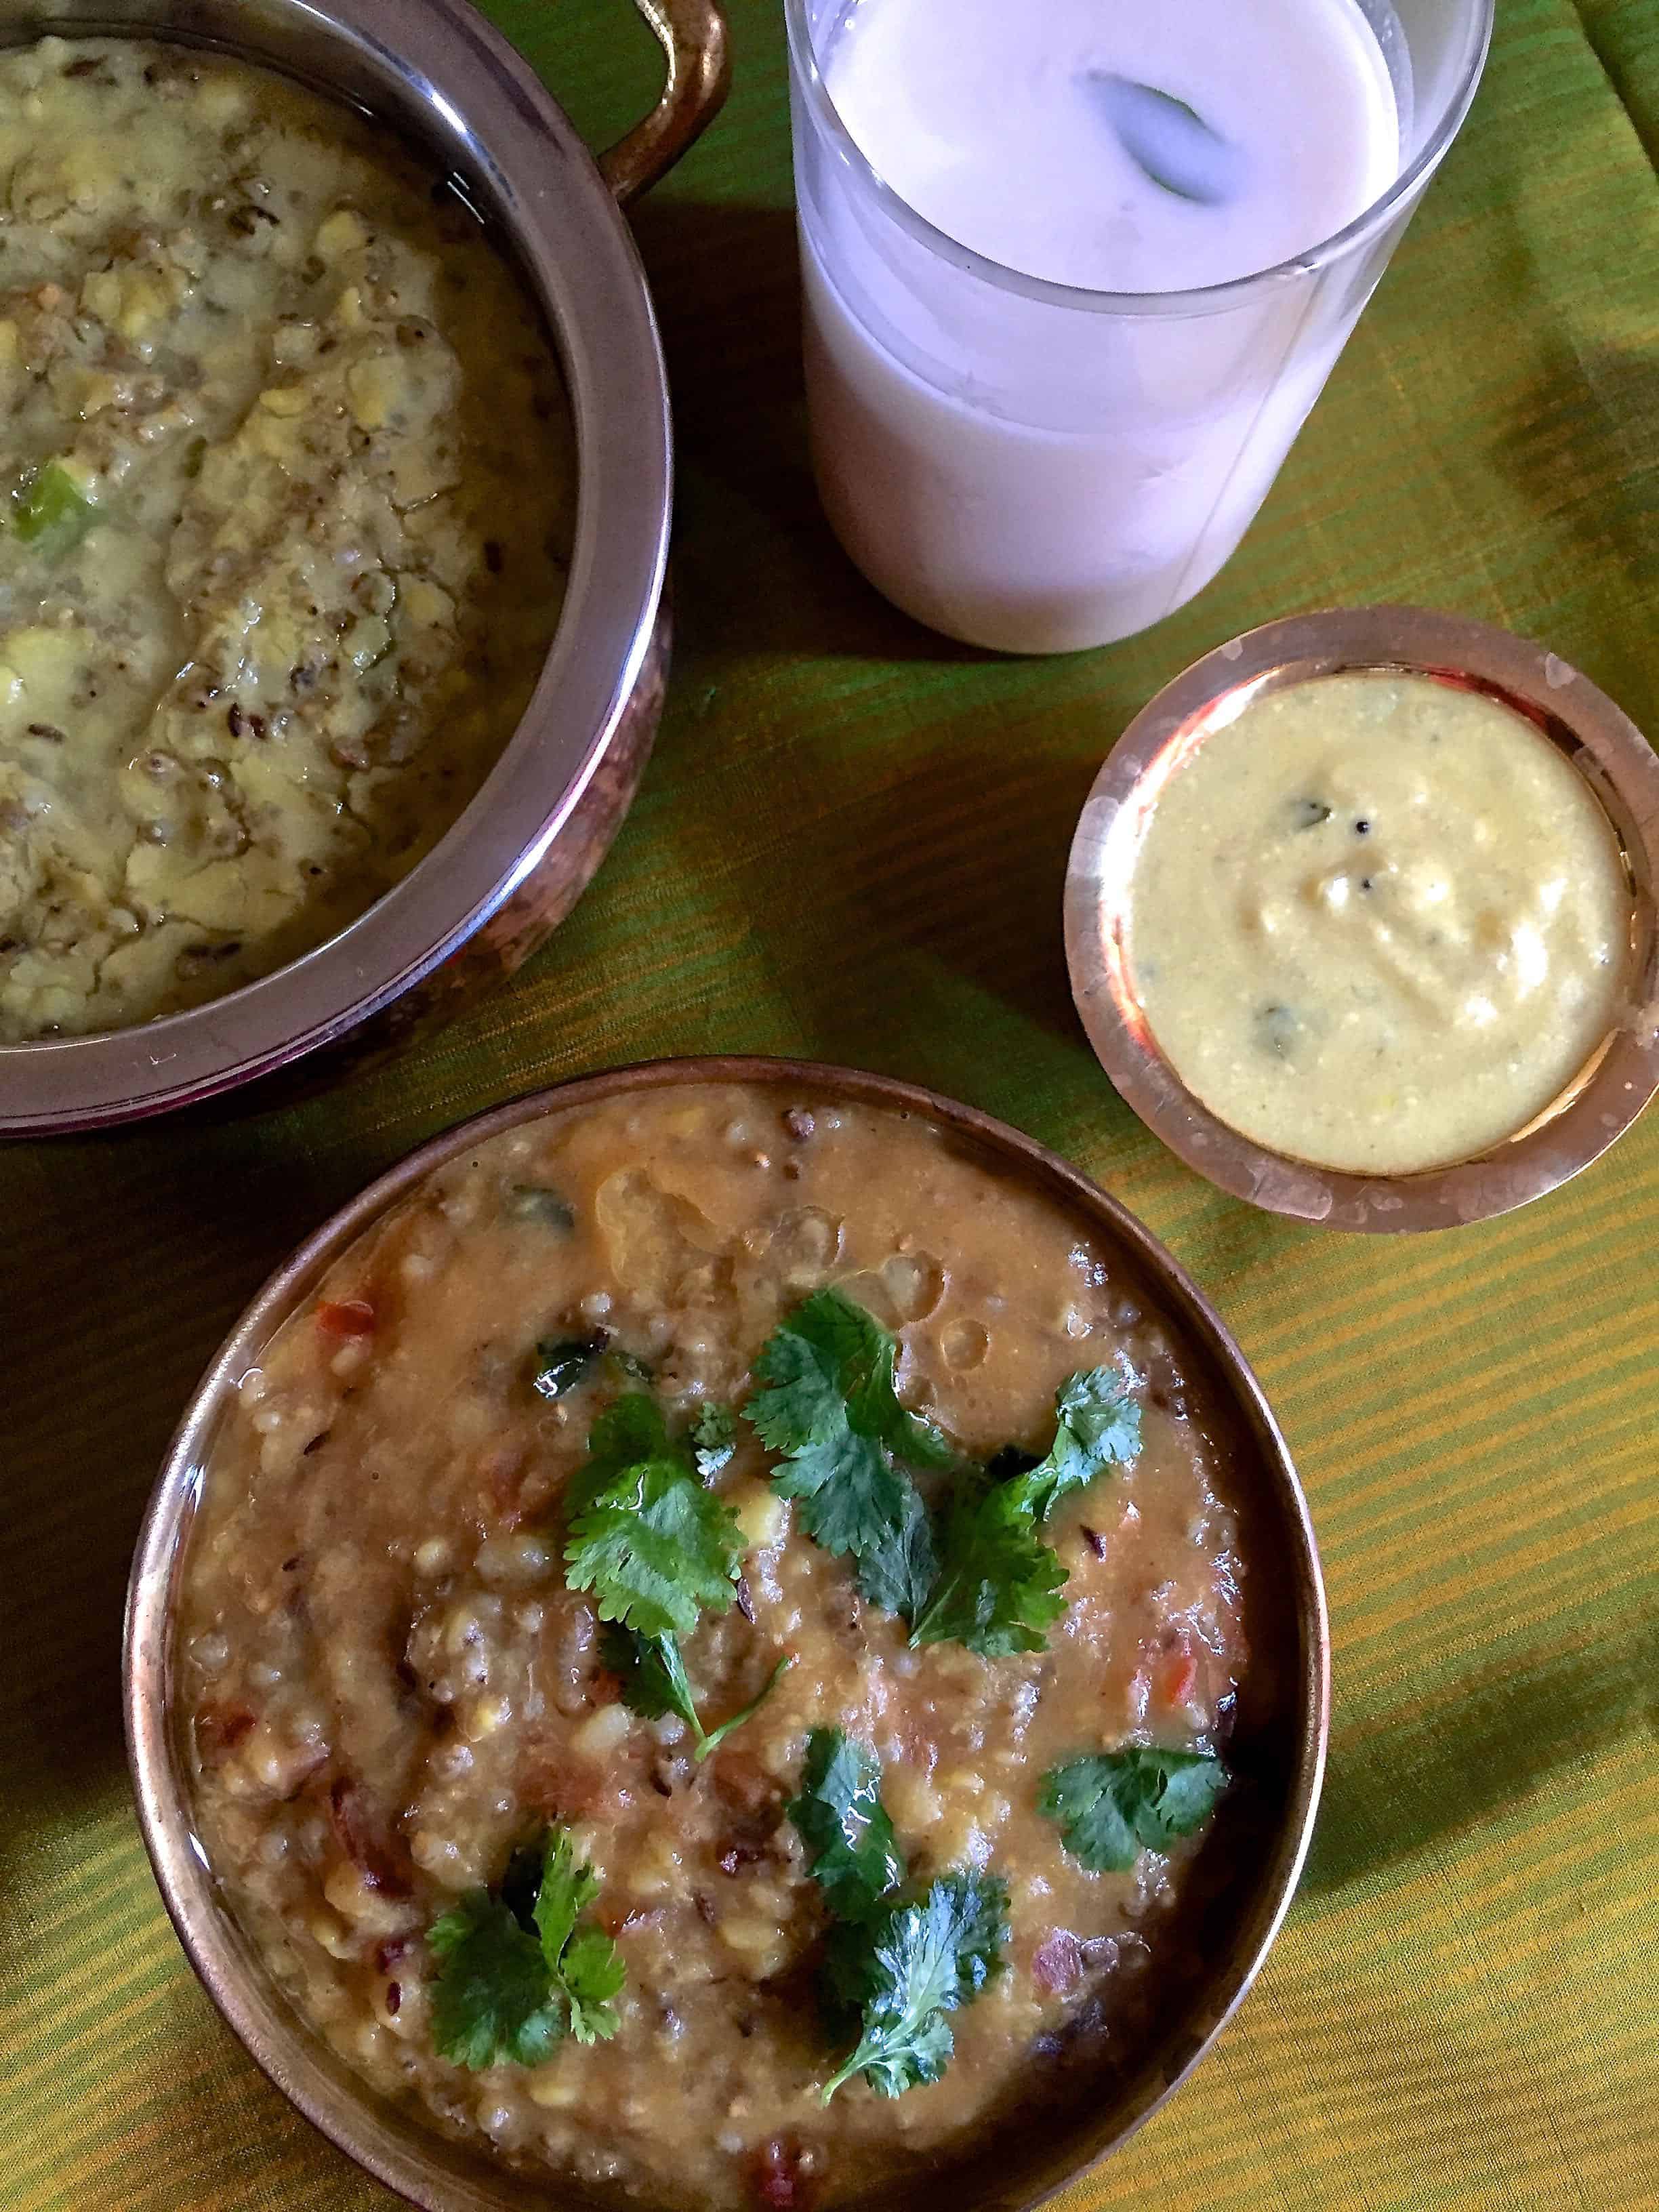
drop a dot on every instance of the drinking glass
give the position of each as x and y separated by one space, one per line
1036 467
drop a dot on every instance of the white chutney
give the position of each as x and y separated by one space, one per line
1379 922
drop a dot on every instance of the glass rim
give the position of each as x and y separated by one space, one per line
1201 299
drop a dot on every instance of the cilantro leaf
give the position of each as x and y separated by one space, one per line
657 1550
713 1438
1113 1805
493 2003
832 1410
898 1572
926 1957
582 1964
505 1991
654 1547
853 1852
900 1960
626 1433
999 1584
632 1430
591 1974
1099 1427
716 1736
566 1892
850 1493
652 1674
839 1365
848 1490
654 1682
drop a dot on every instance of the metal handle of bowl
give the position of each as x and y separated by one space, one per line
693 36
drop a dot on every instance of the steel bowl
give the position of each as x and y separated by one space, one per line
1602 1099
1279 1742
523 851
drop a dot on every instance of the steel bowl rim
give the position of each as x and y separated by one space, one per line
1602 743
180 1872
478 100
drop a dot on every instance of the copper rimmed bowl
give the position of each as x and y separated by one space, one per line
524 851
1281 1739
1607 750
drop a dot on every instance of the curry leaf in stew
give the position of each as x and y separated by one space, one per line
853 1852
506 1992
561 1366
1112 1806
924 1958
564 1362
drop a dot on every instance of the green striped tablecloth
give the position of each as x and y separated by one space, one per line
851 845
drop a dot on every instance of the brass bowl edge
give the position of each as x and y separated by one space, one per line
1606 746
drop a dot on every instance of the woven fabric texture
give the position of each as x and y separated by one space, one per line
850 845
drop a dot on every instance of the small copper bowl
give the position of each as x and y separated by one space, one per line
1283 1714
1604 744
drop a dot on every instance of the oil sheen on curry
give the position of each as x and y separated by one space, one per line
710 1649
284 537
1379 922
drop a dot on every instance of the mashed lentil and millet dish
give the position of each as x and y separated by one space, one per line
287 501
709 1644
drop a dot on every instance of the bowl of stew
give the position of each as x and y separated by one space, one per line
332 548
733 1633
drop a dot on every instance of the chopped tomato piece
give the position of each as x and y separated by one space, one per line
345 1317
1058 1964
783 2175
1176 1678
372 1844
219 1730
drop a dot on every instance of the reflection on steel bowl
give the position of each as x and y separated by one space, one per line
277 601
733 1633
